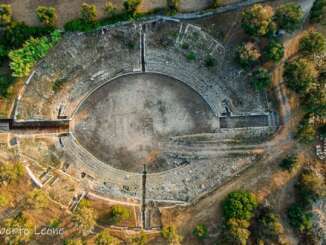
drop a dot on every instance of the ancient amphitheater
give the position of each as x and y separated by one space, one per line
124 114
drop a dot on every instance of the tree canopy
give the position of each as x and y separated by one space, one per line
289 16
313 43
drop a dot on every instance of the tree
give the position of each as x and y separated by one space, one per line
88 13
299 219
200 232
267 226
170 234
37 199
289 16
5 14
104 238
46 15
11 172
22 60
306 133
84 219
261 79
289 163
248 54
131 5
20 223
239 205
5 82
238 231
318 11
257 19
313 43
119 213
300 74
274 51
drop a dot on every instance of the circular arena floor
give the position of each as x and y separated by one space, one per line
126 122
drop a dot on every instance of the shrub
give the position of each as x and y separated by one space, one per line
216 3
46 15
80 25
299 219
200 232
261 79
37 199
119 213
74 242
5 82
5 14
238 232
239 205
317 12
141 239
248 55
11 172
289 163
171 235
22 60
257 19
300 74
289 16
313 43
104 238
88 13
274 51
131 5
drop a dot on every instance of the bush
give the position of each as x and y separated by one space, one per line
80 25
313 43
216 3
248 55
289 163
257 19
289 16
37 199
74 242
300 74
239 205
5 82
140 239
22 60
274 51
46 15
261 79
88 13
11 172
5 14
170 234
119 213
299 219
200 232
317 12
131 5
238 232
